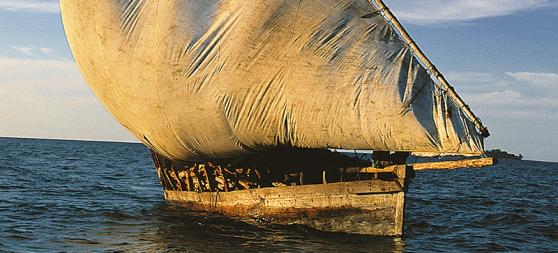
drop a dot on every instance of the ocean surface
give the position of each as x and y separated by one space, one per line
74 196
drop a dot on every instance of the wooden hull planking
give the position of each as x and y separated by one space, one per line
373 207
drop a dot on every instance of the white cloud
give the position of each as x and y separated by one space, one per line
49 99
24 50
546 79
475 82
420 12
511 95
428 12
513 99
33 51
476 77
49 6
521 113
46 50
37 80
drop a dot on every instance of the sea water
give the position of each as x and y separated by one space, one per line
80 196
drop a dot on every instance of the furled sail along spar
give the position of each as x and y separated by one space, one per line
197 80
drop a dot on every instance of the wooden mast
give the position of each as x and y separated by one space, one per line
390 18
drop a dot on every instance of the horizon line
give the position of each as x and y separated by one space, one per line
128 142
66 139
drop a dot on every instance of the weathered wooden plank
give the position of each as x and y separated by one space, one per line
450 165
399 213
390 169
344 188
360 207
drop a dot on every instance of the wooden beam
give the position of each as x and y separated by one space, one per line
450 165
372 170
446 165
389 169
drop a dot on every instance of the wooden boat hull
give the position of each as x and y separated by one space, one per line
373 207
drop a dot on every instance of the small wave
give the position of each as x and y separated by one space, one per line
71 197
80 241
104 187
550 231
118 215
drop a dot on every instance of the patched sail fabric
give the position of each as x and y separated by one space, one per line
197 80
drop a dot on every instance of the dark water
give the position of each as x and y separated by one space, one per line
91 196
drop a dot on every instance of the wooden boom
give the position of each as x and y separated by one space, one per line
445 165
450 165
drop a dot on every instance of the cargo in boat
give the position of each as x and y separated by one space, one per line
325 195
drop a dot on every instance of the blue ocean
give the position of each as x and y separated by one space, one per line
76 196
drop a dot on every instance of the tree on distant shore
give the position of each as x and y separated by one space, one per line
500 154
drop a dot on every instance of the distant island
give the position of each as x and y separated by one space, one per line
503 155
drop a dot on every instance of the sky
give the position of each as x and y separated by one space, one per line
500 55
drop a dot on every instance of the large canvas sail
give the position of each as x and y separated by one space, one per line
197 80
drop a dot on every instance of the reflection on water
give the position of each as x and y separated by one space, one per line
173 228
87 196
165 228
